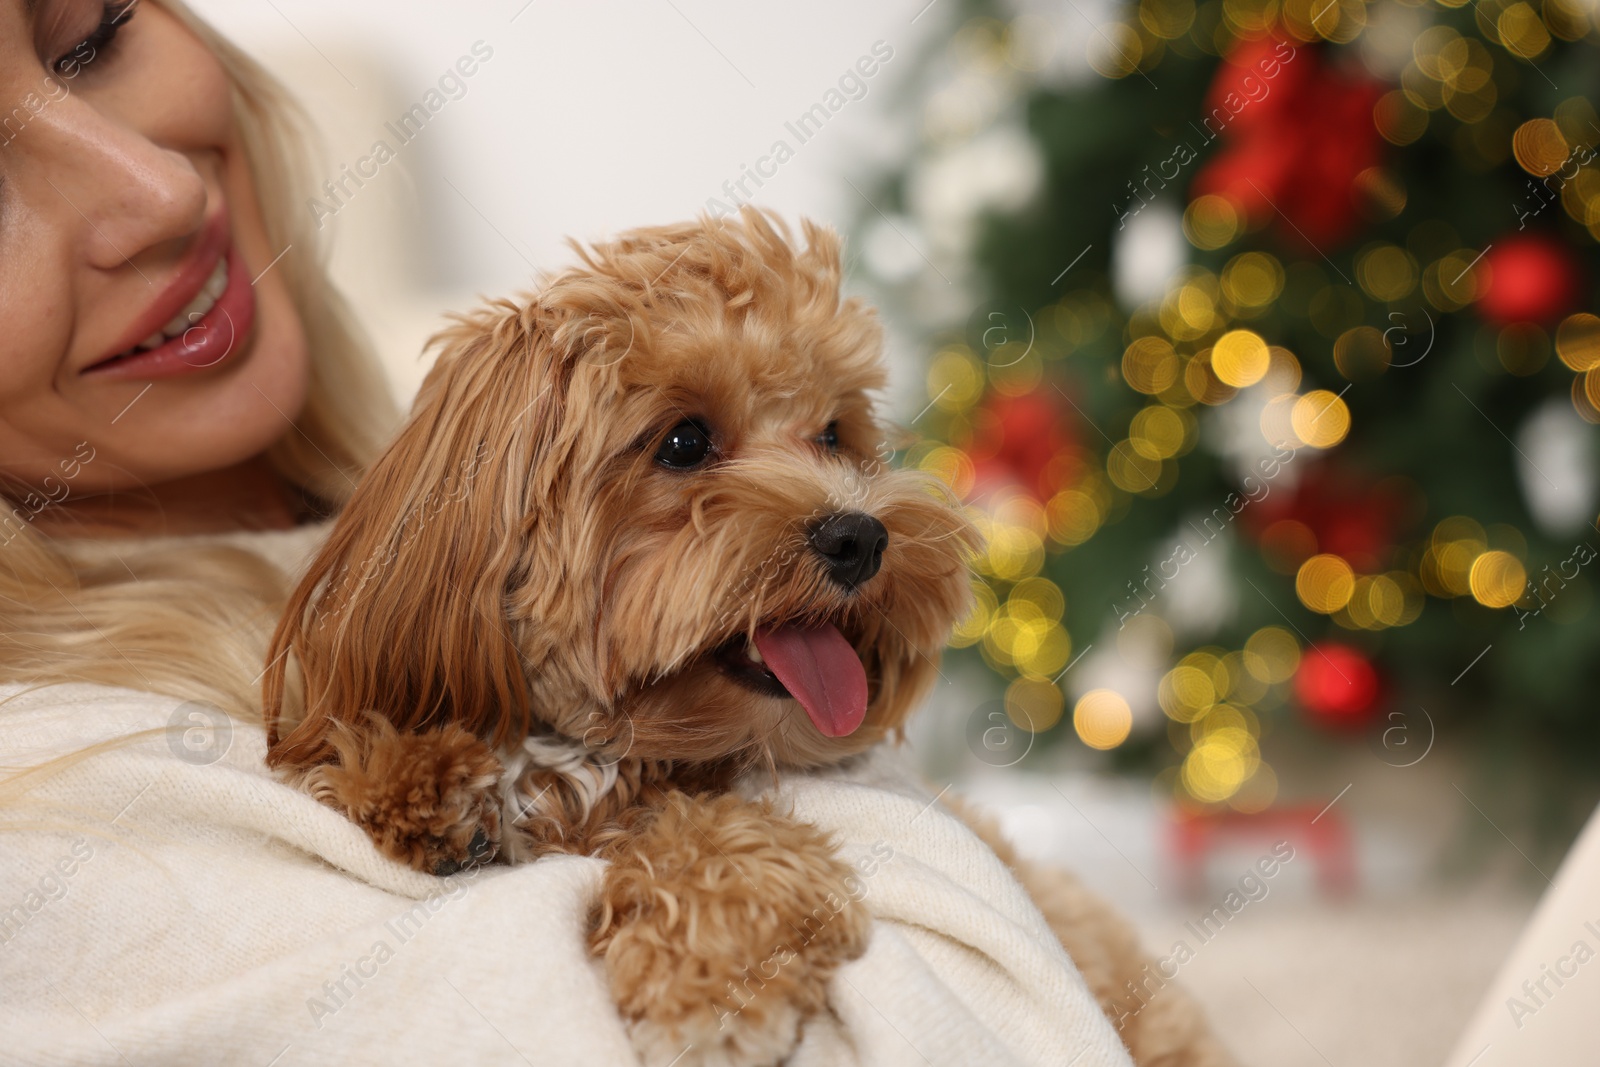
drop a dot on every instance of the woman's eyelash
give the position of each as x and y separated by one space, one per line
113 16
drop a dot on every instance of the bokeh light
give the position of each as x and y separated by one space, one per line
1240 358
1497 579
1320 418
1325 583
1102 718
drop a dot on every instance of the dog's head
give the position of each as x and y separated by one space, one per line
647 507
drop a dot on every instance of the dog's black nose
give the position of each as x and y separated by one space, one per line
851 543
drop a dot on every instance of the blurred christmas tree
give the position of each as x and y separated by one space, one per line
1259 350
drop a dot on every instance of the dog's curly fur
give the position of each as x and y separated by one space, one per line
516 638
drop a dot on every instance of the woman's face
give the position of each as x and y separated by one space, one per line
140 323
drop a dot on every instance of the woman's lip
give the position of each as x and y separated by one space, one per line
210 246
220 333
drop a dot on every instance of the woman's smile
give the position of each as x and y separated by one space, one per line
202 317
149 307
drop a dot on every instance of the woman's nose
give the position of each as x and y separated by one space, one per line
121 192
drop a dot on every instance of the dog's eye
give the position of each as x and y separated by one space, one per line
686 445
829 438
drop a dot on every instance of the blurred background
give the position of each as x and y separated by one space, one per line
1255 333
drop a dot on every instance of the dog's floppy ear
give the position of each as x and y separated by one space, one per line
403 612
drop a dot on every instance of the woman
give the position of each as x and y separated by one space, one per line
144 162
182 402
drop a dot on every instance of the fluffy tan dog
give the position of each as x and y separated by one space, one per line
636 539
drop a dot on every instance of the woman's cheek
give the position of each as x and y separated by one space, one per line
180 97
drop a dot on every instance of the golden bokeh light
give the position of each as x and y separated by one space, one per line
1102 718
1497 579
1209 222
1283 372
1586 408
955 379
1046 657
1381 193
1203 383
1167 19
1398 118
1252 280
952 467
1320 418
1150 365
1033 705
1386 272
1240 358
1277 422
970 630
1591 386
1043 594
1361 353
1186 693
1455 544
1244 688
1325 583
1192 310
1385 599
1272 654
1160 432
1578 341
1117 51
1132 472
1072 517
1215 768
1522 31
1224 717
1451 283
1014 552
1539 147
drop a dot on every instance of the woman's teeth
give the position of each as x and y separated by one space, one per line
193 311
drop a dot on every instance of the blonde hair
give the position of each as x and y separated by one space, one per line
195 624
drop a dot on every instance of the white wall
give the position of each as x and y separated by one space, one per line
589 118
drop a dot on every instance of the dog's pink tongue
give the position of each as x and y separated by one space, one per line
822 671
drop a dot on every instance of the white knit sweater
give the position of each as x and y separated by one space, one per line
168 902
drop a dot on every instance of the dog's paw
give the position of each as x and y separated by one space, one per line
721 924
430 800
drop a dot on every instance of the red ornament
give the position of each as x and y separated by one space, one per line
1347 513
1528 278
1015 440
1298 131
1337 685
